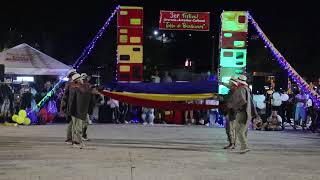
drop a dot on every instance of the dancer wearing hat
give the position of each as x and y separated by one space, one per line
78 106
241 103
64 104
85 78
230 120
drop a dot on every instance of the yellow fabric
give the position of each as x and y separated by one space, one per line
131 7
166 97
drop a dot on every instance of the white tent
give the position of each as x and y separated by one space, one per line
25 60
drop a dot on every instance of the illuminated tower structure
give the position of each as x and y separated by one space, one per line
233 46
130 44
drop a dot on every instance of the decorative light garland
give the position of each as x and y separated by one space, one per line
303 85
82 57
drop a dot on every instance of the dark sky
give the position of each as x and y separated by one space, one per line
63 28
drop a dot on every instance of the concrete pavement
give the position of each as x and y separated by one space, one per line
160 152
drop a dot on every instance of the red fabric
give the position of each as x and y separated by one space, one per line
165 105
178 117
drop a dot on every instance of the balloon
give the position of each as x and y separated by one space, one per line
256 98
27 121
276 96
22 113
277 102
261 105
14 118
284 97
20 120
261 98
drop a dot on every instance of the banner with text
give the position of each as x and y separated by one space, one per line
181 20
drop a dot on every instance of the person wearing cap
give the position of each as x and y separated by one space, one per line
241 103
230 120
64 103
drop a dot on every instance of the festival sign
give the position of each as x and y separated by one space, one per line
181 20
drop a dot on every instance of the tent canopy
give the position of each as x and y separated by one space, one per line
26 60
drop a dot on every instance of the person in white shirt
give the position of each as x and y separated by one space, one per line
114 105
213 113
301 109
147 115
155 78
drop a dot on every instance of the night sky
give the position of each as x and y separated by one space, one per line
63 28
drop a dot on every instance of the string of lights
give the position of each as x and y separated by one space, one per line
303 85
82 57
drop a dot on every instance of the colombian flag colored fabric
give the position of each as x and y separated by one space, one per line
166 97
194 87
166 105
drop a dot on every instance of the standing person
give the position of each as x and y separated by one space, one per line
155 78
64 104
85 79
159 114
167 78
189 120
301 110
231 116
241 103
124 107
114 105
6 100
78 106
26 96
213 114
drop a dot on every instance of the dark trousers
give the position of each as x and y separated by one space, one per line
315 120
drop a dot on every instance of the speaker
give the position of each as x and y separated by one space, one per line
281 81
258 83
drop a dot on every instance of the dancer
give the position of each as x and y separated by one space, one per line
85 79
64 104
230 120
241 103
78 106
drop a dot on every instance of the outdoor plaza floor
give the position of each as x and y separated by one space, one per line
159 152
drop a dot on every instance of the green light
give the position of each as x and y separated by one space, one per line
230 21
225 79
227 35
239 44
238 58
238 71
223 89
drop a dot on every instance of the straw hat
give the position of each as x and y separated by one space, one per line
75 77
233 80
242 79
71 72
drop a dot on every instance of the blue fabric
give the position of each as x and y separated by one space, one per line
195 87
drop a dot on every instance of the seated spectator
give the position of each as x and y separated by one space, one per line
147 115
273 122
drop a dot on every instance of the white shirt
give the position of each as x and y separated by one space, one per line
212 102
279 119
113 103
155 79
302 97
